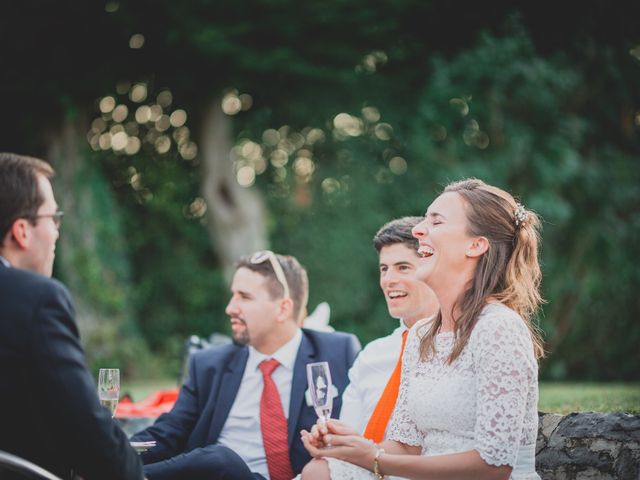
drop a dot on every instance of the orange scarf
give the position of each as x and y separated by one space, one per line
380 417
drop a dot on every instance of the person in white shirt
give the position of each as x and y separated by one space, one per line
408 300
467 402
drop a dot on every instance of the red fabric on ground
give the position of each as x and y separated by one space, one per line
153 406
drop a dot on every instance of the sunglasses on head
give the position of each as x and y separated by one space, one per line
263 256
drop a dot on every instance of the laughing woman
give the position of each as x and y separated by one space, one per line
467 406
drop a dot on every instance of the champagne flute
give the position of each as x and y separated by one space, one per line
319 378
109 388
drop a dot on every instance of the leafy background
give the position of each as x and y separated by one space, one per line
341 115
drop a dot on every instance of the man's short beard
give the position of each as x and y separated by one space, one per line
241 338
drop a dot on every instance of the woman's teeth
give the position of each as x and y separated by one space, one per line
425 251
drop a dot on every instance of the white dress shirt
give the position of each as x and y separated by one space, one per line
368 376
4 261
241 432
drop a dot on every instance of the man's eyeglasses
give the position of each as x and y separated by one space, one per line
263 256
56 217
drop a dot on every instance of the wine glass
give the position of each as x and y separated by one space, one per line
319 378
109 388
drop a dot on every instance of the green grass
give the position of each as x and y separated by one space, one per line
567 397
557 397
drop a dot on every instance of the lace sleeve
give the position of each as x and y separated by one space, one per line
402 427
505 366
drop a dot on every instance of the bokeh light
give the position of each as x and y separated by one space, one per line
138 92
178 118
143 114
99 125
383 131
330 185
348 124
104 141
271 137
315 135
133 146
231 104
136 41
188 150
246 176
371 114
198 208
398 165
162 123
279 158
372 61
122 133
164 98
119 141
460 105
156 111
120 113
162 144
107 104
246 101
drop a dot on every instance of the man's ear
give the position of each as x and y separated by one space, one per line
478 246
286 309
20 233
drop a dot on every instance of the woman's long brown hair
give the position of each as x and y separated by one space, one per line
508 272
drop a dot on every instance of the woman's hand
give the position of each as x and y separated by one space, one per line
320 429
344 442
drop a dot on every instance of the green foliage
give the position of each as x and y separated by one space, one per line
179 289
512 117
502 112
402 96
94 262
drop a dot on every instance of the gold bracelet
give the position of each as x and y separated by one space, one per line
376 464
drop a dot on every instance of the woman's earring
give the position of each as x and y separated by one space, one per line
468 254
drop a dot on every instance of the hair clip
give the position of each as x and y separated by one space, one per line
520 214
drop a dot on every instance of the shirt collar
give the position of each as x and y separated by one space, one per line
404 327
5 262
285 355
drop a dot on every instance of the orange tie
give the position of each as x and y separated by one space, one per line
380 416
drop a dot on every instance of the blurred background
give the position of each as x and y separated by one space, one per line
187 133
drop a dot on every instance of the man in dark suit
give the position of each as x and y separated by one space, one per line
49 410
237 417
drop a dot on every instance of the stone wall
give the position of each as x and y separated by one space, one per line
585 446
578 446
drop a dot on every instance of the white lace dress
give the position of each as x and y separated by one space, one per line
486 400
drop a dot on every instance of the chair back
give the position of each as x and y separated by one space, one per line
25 468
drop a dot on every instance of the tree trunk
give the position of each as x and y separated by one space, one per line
64 155
91 255
235 215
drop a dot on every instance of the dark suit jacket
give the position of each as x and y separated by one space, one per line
49 410
211 388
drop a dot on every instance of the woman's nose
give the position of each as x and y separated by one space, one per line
419 230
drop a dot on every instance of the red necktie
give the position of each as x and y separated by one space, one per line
380 417
273 425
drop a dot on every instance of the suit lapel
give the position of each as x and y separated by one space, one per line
227 391
306 354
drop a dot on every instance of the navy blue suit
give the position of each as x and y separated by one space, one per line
207 396
49 408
